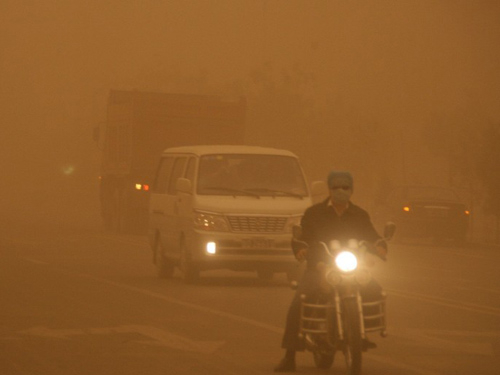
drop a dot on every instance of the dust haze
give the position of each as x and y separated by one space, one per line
352 85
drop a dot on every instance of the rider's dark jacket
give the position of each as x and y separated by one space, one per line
322 223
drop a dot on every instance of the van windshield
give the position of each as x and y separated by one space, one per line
245 174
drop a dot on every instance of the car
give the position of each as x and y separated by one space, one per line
434 212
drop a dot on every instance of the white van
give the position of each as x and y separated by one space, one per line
232 207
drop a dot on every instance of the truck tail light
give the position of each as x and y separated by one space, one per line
143 187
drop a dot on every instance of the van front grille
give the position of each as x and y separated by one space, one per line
257 224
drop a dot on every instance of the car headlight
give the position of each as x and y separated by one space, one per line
346 261
210 222
292 220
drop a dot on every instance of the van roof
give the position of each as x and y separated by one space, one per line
228 149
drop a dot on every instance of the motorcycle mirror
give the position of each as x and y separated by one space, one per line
389 230
297 232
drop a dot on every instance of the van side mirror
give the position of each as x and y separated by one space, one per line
389 230
319 191
183 185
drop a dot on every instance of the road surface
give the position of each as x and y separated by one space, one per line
76 300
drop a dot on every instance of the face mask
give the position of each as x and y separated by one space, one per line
341 196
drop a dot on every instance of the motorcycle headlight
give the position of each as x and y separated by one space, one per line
346 261
210 222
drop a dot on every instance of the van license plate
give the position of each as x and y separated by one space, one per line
258 243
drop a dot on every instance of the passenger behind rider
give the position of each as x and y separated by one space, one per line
336 218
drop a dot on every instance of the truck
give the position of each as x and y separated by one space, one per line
139 126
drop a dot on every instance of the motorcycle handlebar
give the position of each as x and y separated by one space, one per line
363 246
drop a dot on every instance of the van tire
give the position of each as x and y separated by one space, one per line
164 268
190 272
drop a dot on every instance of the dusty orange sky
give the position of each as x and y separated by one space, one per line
397 63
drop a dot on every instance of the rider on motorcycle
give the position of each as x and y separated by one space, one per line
336 218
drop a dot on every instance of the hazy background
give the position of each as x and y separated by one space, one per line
385 89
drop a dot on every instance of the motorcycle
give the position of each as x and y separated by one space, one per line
336 319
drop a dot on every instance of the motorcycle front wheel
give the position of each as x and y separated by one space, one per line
323 360
353 347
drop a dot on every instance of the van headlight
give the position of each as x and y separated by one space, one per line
346 261
210 222
211 248
292 220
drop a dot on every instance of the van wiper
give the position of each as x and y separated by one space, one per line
244 192
285 192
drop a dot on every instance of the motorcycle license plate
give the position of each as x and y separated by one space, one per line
258 243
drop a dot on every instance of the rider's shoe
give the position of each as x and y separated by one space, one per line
367 344
286 365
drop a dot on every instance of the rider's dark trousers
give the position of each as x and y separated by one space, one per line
309 285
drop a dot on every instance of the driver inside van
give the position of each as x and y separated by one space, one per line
214 173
